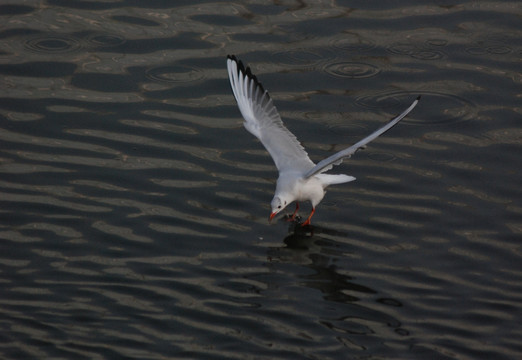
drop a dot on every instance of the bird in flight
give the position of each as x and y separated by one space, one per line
299 178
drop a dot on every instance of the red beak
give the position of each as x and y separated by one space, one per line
272 216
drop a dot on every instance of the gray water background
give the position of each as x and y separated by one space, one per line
134 205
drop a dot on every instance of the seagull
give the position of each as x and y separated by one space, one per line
300 179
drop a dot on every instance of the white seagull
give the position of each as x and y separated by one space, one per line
299 178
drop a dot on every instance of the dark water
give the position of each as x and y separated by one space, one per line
134 205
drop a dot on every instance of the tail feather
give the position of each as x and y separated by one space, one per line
330 179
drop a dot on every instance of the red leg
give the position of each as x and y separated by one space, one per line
292 218
307 222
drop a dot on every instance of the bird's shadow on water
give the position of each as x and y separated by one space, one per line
324 254
320 249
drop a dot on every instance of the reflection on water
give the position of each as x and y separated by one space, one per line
134 205
313 248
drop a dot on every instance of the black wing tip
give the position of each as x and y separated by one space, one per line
246 70
418 97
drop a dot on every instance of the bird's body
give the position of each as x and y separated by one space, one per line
298 188
299 178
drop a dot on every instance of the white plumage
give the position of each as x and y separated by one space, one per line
299 178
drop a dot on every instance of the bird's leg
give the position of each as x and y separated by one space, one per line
307 222
292 218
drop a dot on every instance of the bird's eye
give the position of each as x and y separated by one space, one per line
279 207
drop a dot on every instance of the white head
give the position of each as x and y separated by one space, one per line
278 203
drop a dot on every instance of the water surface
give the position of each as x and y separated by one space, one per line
134 205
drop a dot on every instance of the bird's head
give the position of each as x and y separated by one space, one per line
278 203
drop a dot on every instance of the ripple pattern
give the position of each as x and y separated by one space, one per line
175 74
300 57
493 44
353 43
100 39
351 70
133 203
53 44
416 52
452 108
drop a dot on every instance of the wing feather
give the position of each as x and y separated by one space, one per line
338 158
263 120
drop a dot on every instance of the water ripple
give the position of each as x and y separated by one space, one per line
134 221
428 54
53 44
175 74
416 52
493 44
308 58
489 49
352 43
352 70
101 39
450 108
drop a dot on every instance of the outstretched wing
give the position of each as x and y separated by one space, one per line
263 120
337 158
